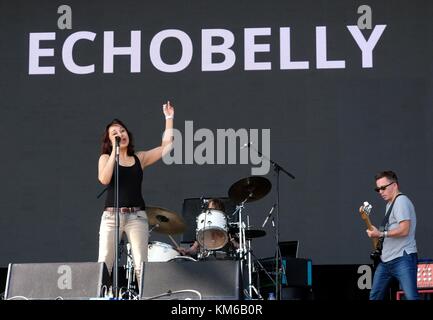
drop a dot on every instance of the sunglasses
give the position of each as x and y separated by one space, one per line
377 189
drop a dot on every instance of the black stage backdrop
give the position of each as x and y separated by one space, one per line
332 128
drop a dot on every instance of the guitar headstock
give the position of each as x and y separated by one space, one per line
365 210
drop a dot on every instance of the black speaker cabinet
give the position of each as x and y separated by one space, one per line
182 280
77 280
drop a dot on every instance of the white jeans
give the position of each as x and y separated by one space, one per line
136 227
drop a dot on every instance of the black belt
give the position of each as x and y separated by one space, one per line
124 209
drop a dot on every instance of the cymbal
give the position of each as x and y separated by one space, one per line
164 220
250 233
254 233
250 189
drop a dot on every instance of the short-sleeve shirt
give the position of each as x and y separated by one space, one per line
396 246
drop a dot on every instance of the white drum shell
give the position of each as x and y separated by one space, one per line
212 229
161 252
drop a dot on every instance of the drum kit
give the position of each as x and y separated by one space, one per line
214 231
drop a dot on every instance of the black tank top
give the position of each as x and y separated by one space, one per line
130 179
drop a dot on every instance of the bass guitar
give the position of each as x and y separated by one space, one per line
365 211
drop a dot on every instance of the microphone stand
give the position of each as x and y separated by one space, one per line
117 224
278 259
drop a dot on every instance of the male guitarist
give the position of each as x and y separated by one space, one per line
399 253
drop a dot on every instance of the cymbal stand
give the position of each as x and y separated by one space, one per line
154 227
241 250
262 268
242 243
203 251
250 271
245 249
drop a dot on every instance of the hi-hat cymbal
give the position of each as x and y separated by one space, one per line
250 233
164 220
254 233
249 189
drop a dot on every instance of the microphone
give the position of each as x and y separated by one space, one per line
117 139
247 145
269 215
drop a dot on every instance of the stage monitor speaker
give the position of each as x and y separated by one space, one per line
72 281
182 280
192 208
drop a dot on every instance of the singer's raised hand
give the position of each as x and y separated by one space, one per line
168 110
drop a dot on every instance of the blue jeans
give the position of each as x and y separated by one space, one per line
404 269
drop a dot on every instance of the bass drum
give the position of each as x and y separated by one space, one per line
161 252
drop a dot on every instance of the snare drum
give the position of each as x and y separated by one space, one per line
212 229
161 252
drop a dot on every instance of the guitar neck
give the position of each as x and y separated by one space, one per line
370 227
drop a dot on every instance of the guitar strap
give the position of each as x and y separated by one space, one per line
376 254
388 213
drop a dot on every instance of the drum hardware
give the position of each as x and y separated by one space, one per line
241 250
216 255
131 291
203 253
243 191
153 228
257 271
257 292
130 274
249 261
250 233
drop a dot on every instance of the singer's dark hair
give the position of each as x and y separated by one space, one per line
106 146
217 204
